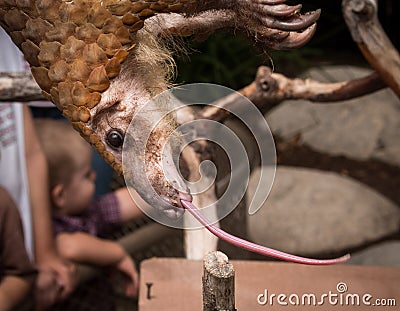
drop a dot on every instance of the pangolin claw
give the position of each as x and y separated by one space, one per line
297 39
294 39
281 10
271 2
294 22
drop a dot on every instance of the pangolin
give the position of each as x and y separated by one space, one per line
100 61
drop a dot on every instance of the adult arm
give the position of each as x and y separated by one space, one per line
13 291
16 271
45 251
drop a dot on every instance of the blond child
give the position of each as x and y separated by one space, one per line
81 223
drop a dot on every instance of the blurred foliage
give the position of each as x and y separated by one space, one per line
222 59
232 60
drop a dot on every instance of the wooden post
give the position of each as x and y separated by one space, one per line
199 242
218 283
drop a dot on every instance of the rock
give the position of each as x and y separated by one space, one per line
382 254
311 212
363 128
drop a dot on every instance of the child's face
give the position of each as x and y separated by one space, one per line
79 192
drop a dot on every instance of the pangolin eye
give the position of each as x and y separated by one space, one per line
115 139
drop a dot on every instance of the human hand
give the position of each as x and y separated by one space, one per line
127 267
57 278
46 289
67 277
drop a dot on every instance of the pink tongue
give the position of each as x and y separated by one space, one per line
254 247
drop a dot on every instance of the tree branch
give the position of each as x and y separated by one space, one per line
367 32
269 89
266 91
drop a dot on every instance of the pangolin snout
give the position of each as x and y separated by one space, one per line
185 196
173 207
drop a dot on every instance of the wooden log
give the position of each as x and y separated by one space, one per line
218 283
19 87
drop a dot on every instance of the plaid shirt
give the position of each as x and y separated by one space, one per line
99 219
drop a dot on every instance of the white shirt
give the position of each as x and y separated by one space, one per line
13 173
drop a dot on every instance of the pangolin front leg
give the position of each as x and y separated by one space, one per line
205 23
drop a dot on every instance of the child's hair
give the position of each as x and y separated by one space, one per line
62 146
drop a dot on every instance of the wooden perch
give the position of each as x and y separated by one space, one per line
218 283
269 89
362 21
19 87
